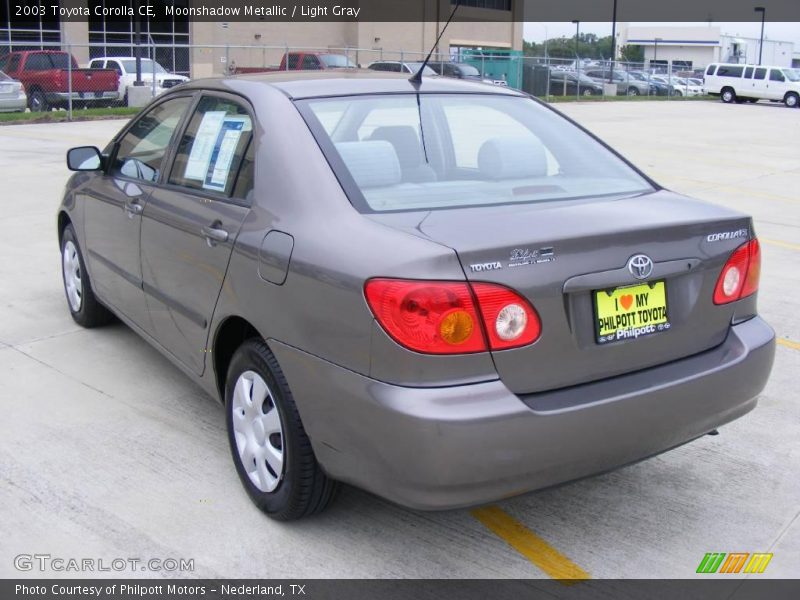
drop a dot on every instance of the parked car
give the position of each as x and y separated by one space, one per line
457 70
395 66
751 83
657 88
626 85
679 86
12 95
125 66
300 61
499 305
566 83
49 77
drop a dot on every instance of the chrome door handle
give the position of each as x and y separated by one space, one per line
213 234
133 208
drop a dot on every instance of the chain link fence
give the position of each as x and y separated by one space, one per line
72 77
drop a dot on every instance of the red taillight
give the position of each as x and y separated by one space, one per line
739 276
509 319
441 317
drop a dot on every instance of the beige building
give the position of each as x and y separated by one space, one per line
364 42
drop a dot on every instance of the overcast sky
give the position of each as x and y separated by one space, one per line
774 31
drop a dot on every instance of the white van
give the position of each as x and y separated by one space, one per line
751 83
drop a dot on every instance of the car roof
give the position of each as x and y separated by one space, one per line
348 82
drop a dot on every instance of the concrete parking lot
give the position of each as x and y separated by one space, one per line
107 451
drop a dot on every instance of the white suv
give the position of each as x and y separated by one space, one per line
751 83
125 66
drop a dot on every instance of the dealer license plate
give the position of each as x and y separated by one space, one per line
630 312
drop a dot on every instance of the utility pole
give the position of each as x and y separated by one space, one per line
613 40
577 38
763 12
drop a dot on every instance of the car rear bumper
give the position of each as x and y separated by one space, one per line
13 103
438 448
58 97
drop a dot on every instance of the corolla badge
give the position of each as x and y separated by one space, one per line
640 266
525 256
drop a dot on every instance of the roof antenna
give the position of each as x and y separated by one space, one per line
416 78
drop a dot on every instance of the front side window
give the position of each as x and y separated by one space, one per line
776 75
212 151
141 150
711 69
408 152
310 62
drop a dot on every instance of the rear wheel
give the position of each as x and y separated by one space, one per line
37 102
677 93
632 91
587 92
83 306
728 95
791 100
270 448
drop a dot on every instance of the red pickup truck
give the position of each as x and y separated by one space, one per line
301 61
45 75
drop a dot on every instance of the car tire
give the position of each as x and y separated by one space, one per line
728 95
632 91
37 102
791 100
83 306
588 92
269 446
677 93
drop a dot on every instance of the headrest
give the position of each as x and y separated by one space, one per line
371 163
406 143
512 158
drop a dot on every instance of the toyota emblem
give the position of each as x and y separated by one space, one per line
640 266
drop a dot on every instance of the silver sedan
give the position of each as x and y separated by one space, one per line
12 95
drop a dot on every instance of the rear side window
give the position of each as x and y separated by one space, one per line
728 71
212 151
775 75
711 69
293 59
13 64
141 150
760 74
748 72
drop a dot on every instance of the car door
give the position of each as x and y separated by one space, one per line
776 85
759 86
190 224
115 200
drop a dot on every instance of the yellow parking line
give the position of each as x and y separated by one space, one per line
780 243
530 545
789 343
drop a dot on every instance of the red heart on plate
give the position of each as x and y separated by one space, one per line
626 301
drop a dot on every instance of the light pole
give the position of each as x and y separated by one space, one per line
613 39
763 12
655 50
577 37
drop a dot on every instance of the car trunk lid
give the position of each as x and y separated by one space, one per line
559 254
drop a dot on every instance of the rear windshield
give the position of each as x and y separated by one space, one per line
430 151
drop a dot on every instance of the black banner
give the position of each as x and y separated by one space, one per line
736 588
408 10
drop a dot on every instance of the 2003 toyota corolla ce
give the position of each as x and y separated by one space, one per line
442 292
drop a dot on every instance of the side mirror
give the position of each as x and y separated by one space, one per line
84 158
